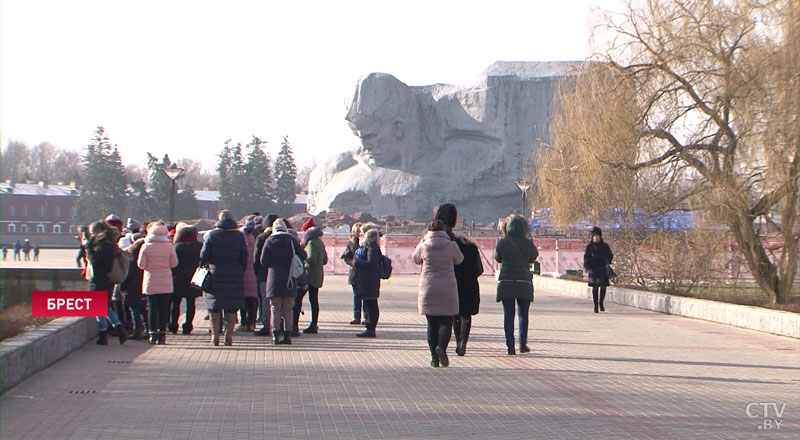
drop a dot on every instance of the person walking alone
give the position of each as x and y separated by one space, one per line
515 252
157 258
596 259
438 289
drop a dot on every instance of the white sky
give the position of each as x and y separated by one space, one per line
181 77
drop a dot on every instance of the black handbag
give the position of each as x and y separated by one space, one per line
610 272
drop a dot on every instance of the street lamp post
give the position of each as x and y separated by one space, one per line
523 187
173 173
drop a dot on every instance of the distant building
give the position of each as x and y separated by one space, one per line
37 211
43 213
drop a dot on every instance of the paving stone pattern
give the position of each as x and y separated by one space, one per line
626 373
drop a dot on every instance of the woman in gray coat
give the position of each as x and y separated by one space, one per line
515 252
438 291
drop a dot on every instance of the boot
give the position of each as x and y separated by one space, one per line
263 331
463 336
173 328
457 333
153 338
102 338
162 338
230 323
216 320
287 338
602 298
311 329
276 337
122 333
594 298
442 354
434 360
187 328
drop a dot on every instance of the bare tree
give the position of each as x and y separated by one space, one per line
196 176
16 164
67 166
692 104
43 158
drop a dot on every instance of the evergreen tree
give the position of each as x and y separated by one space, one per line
232 182
103 190
160 187
285 176
258 177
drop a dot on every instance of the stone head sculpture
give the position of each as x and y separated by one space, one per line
385 115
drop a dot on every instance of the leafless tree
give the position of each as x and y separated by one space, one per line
692 103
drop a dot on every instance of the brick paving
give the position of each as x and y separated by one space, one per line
626 373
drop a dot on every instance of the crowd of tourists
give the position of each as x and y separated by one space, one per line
23 249
258 274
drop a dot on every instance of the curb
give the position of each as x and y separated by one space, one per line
36 349
754 318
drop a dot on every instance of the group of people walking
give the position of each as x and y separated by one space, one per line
261 272
21 249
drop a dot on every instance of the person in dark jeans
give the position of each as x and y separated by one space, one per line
515 252
347 256
187 248
157 258
368 281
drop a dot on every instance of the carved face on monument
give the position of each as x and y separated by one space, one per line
384 115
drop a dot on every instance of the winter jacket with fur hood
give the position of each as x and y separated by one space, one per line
157 258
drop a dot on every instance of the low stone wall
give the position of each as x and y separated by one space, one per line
40 347
749 317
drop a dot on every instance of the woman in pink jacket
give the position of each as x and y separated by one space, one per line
438 290
157 258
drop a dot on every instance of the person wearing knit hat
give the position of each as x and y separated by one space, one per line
308 224
367 280
596 259
277 255
187 248
261 275
114 221
467 274
316 259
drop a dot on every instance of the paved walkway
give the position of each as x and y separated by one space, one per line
625 373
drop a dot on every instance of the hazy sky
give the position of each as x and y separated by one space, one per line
182 77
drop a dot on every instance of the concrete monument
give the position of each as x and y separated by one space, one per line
425 145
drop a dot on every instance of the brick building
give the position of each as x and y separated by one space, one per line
39 212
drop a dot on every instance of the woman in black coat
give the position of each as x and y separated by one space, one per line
101 248
467 273
131 290
188 250
596 259
368 281
225 253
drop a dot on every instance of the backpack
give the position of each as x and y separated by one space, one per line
385 267
119 267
